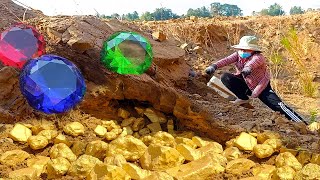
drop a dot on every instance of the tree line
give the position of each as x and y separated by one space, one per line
215 9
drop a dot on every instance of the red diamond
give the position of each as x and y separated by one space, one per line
20 43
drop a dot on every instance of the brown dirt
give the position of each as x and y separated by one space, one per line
12 13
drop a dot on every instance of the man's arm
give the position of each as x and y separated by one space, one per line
227 60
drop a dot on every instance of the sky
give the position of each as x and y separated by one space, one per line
108 7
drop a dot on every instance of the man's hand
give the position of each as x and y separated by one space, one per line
246 71
211 69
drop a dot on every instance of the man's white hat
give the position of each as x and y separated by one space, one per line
248 42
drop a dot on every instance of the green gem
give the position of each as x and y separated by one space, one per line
127 53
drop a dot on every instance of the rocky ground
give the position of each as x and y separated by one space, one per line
134 148
146 126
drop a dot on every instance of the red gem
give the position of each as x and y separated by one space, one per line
20 43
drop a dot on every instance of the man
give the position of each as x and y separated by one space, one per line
252 77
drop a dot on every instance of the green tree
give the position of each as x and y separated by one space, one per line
103 16
276 10
147 16
296 10
115 15
200 12
132 16
164 14
273 10
264 12
218 9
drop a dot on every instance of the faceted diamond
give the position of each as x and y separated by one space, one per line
127 53
52 84
19 44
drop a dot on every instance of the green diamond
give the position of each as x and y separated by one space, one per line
127 53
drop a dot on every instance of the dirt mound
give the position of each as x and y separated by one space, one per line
12 13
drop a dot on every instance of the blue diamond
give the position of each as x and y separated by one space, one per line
52 84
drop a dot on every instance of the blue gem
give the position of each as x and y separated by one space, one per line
52 84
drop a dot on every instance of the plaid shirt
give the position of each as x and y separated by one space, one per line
259 78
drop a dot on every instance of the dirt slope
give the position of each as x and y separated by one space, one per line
11 13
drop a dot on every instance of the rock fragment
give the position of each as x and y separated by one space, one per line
240 165
117 160
154 127
264 171
188 153
315 158
311 171
62 139
123 113
135 171
285 172
138 124
105 171
304 157
144 131
128 122
287 159
83 166
159 36
263 150
131 148
13 157
158 175
202 168
100 131
20 133
186 141
58 167
25 173
42 125
159 158
232 153
211 147
62 150
155 116
37 142
274 143
39 163
49 134
262 137
245 141
74 129
163 138
97 149
170 127
79 148
113 134
199 142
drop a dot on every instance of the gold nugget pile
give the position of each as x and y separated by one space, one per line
136 148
